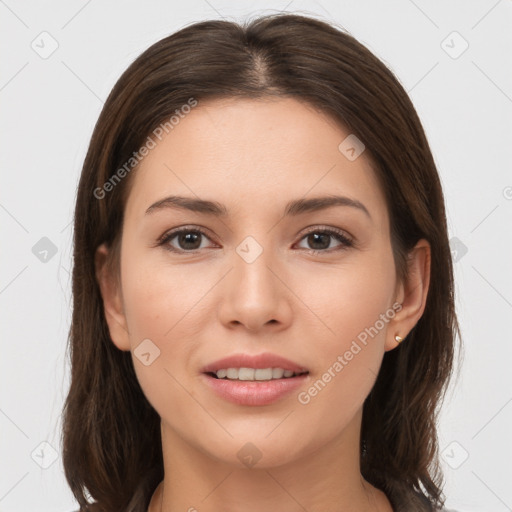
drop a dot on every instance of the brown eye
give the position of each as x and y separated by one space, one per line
184 240
320 240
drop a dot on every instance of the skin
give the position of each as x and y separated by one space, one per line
254 156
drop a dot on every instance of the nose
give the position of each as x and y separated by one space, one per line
255 295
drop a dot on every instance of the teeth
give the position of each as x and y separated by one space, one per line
232 373
277 373
246 373
254 373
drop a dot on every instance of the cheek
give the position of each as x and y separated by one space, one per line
165 303
353 297
158 302
356 310
159 298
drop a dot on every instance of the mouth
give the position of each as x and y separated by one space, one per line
254 380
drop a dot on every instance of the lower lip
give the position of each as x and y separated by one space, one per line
265 392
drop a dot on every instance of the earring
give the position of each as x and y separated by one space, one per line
398 339
364 450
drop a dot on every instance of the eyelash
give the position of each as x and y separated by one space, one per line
346 242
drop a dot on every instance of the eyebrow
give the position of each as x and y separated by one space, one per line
293 208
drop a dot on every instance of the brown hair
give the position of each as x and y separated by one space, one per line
111 434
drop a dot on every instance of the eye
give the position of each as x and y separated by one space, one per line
188 239
320 239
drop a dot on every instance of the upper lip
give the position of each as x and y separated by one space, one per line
265 360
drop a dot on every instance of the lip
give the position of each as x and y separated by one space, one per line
261 361
264 392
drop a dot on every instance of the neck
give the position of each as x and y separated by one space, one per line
324 479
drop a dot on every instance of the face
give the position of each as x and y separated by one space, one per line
316 286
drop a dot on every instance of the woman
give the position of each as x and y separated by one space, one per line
294 356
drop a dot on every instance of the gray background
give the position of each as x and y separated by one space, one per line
50 104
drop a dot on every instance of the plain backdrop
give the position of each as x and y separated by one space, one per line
60 61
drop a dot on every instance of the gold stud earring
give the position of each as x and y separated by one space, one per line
398 339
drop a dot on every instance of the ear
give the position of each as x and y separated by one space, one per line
112 300
411 294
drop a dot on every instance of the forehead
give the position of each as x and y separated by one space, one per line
247 153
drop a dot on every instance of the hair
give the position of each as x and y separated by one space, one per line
112 449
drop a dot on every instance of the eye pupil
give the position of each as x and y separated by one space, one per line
314 237
189 237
